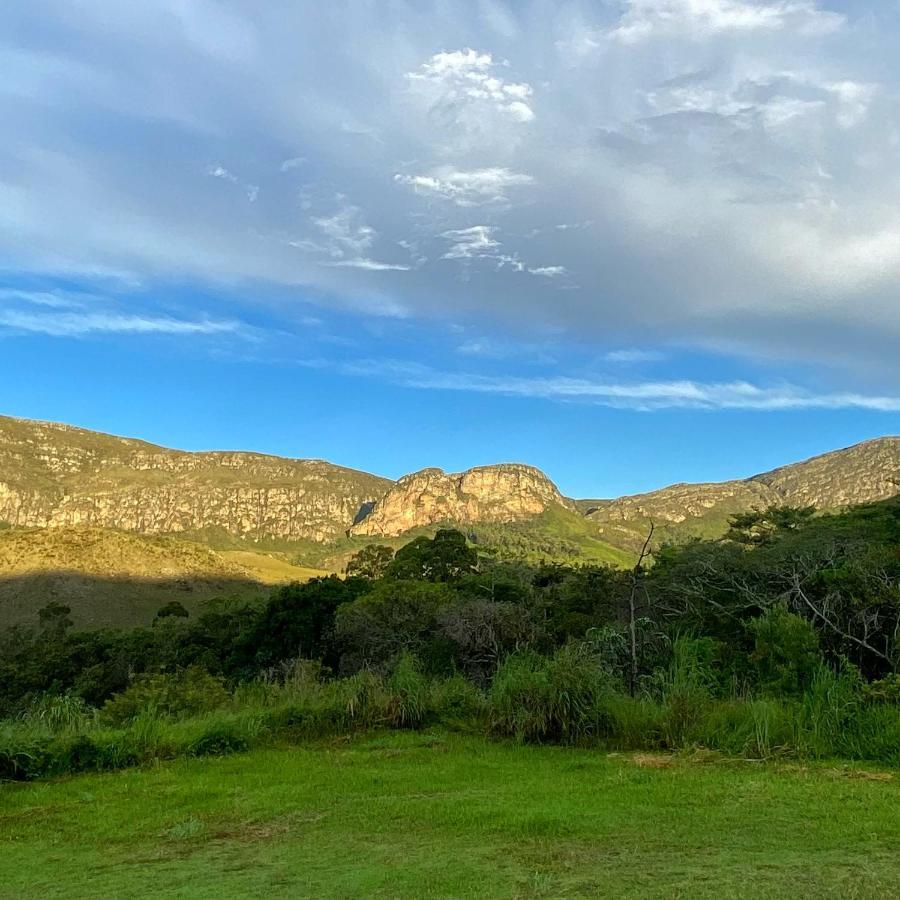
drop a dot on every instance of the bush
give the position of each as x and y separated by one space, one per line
60 712
187 692
827 710
218 739
786 654
456 701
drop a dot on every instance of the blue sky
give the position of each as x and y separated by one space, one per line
629 242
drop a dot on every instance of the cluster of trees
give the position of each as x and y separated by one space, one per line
784 592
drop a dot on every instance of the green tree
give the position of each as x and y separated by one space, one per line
172 609
299 620
371 562
445 557
393 618
762 526
54 620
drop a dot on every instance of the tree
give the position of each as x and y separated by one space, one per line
393 618
637 576
172 609
445 557
786 653
484 632
371 562
54 619
299 620
763 526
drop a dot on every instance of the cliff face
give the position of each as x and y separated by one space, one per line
59 476
56 475
863 473
502 493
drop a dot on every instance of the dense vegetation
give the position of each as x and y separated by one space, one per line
782 638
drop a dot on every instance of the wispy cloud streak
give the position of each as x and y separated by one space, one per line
645 396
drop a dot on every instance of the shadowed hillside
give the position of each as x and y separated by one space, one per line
112 578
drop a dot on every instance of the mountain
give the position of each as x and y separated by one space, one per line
859 474
54 475
265 513
503 493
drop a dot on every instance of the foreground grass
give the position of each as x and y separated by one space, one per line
443 815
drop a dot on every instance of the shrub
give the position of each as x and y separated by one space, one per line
218 739
826 710
456 701
187 692
519 697
60 712
786 654
685 690
885 690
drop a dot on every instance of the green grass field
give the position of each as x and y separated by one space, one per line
442 815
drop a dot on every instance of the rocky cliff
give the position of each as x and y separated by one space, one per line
859 474
59 476
496 494
56 475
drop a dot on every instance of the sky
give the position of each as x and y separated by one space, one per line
632 242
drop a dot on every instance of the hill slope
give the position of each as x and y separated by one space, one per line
859 474
55 475
113 578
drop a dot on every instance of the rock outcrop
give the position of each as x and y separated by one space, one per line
502 493
56 475
862 473
60 476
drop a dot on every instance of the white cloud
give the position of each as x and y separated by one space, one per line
467 77
466 188
80 324
633 355
646 396
645 19
251 190
50 299
373 265
346 231
294 162
726 178
223 173
470 243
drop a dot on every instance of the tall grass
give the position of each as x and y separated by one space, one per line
569 697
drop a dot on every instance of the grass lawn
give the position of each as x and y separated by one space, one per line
442 815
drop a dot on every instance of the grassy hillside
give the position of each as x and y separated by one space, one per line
112 578
557 535
440 815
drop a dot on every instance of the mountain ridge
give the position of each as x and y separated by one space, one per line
60 475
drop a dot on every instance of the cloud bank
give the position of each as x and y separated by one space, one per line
718 173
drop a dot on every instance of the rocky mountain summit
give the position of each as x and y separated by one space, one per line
61 476
503 493
57 475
